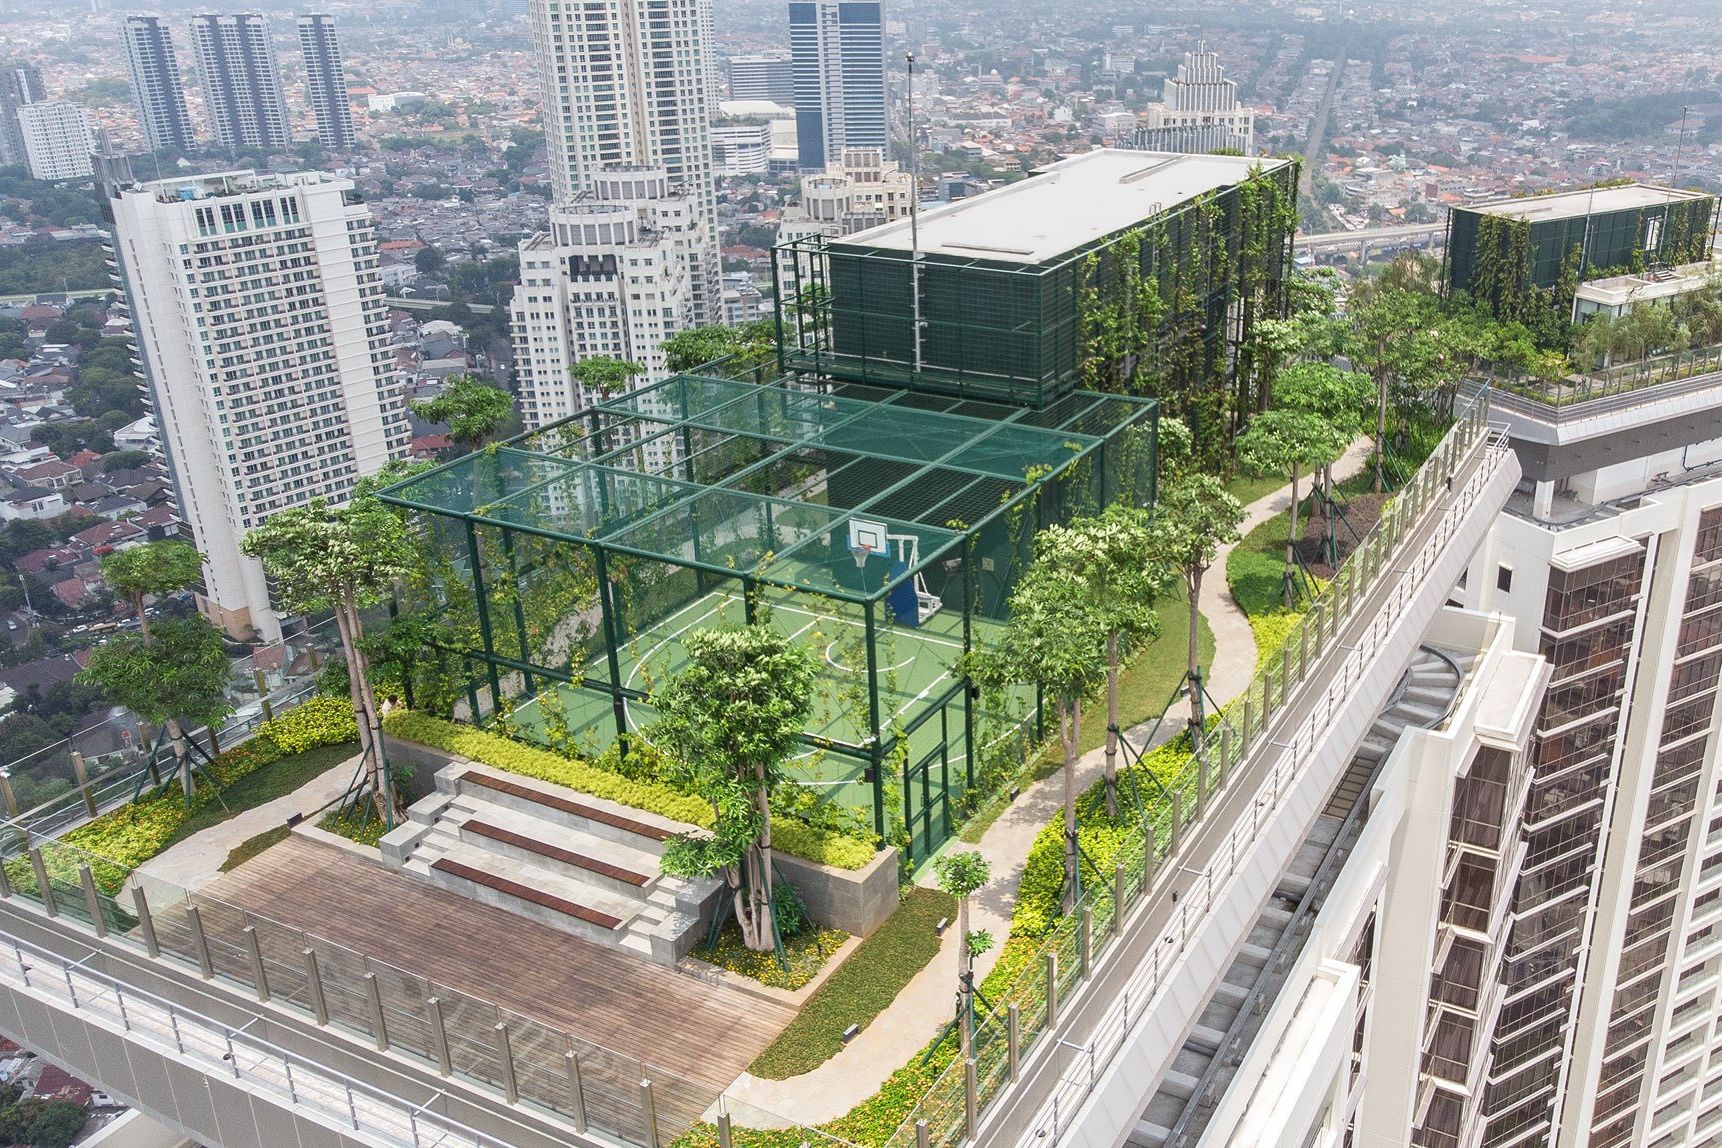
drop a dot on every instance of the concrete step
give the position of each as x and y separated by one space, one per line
621 869
595 816
540 877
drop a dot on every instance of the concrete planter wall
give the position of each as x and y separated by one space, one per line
854 900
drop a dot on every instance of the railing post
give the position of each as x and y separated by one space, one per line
146 921
258 974
42 883
1085 941
379 1023
1267 695
1201 781
314 982
83 777
971 1099
93 901
439 1036
1177 825
5 885
1244 726
922 1140
1303 648
1118 898
576 1089
1013 1039
726 1138
263 695
505 1055
1051 991
199 943
650 1105
1287 681
1225 754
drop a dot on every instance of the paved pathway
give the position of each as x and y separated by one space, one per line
927 1002
196 861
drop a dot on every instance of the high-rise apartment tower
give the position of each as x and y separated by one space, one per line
263 332
20 84
628 134
326 82
241 86
57 139
156 83
839 64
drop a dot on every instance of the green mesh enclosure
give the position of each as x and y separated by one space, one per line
576 559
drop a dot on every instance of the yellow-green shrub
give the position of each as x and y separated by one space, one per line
1271 632
319 720
504 753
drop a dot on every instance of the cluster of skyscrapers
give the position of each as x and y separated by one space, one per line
241 83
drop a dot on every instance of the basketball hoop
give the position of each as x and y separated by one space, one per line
859 552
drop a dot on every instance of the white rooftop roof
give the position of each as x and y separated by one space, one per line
1066 205
1572 204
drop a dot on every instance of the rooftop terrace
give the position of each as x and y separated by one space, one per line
1065 206
1590 201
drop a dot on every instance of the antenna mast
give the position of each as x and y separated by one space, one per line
914 216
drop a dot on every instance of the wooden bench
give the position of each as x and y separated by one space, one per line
555 852
563 805
525 893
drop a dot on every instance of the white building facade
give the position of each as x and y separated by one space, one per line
1198 111
57 140
626 83
612 278
261 325
157 85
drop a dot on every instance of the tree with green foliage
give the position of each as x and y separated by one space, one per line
1287 441
149 571
341 558
729 721
748 344
471 408
1339 398
1108 554
605 374
1193 518
962 875
1055 640
177 675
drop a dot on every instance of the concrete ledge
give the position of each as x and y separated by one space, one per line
425 762
854 900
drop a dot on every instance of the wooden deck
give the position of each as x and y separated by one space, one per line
706 1033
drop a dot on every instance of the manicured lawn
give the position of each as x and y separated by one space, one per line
265 785
252 846
1246 488
856 993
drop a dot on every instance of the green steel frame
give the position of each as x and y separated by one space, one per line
579 552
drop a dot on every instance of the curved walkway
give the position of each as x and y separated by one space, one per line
928 1001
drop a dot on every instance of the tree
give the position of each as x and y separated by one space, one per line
149 571
696 346
605 374
428 260
341 559
1341 399
962 875
1108 554
729 721
471 408
177 675
1055 640
1193 518
1285 441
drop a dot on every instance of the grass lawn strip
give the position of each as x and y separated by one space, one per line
262 787
866 984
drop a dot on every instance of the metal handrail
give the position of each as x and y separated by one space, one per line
219 1049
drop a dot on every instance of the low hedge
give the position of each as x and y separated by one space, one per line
120 841
835 849
1271 632
863 988
1039 897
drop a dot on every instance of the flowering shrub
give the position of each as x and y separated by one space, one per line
319 720
793 837
806 955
